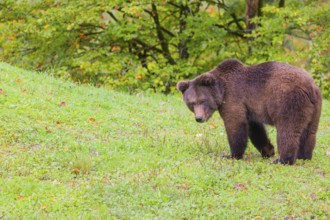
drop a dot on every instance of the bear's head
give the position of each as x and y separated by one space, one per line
203 95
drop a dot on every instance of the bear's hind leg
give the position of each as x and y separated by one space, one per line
288 141
293 117
287 148
308 137
307 143
259 139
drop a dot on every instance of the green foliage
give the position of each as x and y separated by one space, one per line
79 152
143 45
127 45
298 34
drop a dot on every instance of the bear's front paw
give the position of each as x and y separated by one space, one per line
284 162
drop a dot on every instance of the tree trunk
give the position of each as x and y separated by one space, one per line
252 10
182 47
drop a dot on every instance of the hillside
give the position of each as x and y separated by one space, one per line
72 151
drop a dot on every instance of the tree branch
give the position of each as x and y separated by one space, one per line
86 25
236 33
113 16
168 32
236 21
163 42
147 46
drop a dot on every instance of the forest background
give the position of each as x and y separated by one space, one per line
150 45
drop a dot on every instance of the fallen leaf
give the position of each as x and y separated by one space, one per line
62 104
91 119
23 90
11 37
313 196
212 10
58 122
75 170
72 184
324 208
2 92
239 186
105 180
115 48
19 81
292 217
138 76
82 35
184 186
48 130
43 207
20 197
213 126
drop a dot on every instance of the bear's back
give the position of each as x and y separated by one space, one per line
272 76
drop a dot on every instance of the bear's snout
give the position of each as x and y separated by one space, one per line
199 118
200 114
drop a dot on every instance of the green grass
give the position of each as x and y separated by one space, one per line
78 152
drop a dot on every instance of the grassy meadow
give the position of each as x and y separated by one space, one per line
77 152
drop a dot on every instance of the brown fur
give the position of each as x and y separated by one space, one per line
249 96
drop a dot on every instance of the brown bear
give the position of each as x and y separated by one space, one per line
247 97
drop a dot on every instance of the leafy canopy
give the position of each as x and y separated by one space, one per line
143 45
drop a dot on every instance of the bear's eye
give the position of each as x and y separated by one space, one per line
191 106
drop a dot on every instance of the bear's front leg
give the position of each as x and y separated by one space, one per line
259 139
237 133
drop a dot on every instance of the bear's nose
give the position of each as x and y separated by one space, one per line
199 118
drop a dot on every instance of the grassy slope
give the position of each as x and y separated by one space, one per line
104 154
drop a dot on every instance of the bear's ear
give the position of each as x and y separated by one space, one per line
182 86
206 80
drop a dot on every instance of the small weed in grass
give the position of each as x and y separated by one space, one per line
82 164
